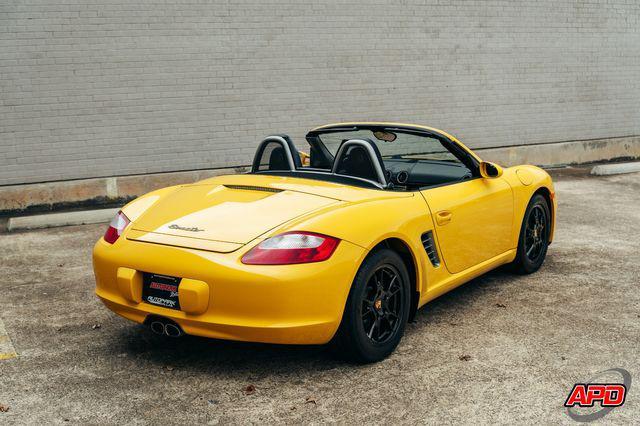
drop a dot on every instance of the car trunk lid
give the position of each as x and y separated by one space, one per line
221 218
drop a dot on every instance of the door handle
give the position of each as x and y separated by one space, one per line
443 217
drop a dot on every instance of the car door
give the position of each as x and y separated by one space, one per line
473 220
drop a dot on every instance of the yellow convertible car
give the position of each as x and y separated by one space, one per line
342 244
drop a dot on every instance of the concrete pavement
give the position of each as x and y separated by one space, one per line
501 349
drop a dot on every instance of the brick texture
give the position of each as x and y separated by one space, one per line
118 87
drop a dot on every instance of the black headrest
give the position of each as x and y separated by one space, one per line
288 151
294 152
372 152
278 159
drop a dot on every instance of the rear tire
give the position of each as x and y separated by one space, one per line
377 309
534 236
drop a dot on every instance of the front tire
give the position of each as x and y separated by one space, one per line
534 236
377 308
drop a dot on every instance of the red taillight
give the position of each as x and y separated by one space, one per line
116 227
290 248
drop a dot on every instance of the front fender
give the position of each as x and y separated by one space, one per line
526 180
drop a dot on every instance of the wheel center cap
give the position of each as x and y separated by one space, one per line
378 304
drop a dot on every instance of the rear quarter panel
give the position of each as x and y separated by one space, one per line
134 209
366 224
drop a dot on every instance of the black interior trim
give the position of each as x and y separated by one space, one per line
323 176
425 172
321 158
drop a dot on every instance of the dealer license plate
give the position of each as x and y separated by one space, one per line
161 290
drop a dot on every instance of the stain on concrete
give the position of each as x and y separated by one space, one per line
7 351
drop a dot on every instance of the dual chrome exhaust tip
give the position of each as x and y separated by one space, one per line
165 327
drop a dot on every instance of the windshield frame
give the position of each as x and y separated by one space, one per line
326 157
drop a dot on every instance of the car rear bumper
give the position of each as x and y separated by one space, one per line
289 304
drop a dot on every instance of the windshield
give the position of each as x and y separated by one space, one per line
393 144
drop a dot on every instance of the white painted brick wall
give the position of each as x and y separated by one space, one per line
115 87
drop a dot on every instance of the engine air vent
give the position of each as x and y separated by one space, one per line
430 248
253 188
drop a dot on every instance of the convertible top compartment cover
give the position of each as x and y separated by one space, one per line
198 215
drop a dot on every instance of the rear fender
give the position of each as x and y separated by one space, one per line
367 224
134 209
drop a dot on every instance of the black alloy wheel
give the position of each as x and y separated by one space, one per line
382 304
377 308
534 236
535 233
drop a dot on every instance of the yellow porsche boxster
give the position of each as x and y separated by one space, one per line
342 244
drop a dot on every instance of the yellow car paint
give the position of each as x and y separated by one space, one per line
524 176
296 304
194 296
473 221
475 224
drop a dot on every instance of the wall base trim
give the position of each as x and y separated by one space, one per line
565 153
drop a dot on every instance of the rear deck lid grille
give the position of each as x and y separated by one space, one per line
253 188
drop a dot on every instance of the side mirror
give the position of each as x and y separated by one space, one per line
490 170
